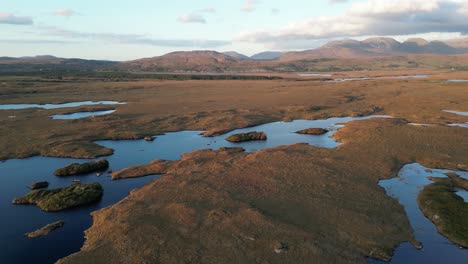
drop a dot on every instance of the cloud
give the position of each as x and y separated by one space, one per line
196 16
35 41
275 11
371 18
7 18
337 1
65 12
207 10
249 5
192 18
134 39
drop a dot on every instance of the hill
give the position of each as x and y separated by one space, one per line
236 55
374 47
267 55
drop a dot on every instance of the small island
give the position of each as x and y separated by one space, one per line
63 198
149 138
445 209
313 131
243 137
154 167
39 185
84 168
44 231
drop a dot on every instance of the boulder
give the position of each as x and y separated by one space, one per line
63 198
280 247
243 137
149 138
39 185
84 168
312 131
44 231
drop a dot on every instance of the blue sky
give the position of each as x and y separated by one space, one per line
123 30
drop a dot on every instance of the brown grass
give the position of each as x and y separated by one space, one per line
217 106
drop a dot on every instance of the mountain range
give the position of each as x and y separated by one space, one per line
213 61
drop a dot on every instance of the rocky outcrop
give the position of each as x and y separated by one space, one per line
60 199
149 138
39 185
154 167
312 131
44 231
84 168
280 247
243 137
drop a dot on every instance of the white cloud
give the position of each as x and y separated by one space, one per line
379 7
134 39
192 18
337 1
249 5
371 18
207 10
65 12
11 19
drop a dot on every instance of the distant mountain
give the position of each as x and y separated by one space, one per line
459 43
47 63
200 61
267 55
355 54
373 47
236 55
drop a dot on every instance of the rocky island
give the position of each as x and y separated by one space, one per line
39 185
44 231
445 209
62 198
84 168
155 167
243 137
313 131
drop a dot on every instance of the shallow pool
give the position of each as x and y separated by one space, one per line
55 106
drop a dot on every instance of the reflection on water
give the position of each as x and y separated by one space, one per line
79 115
463 194
417 76
16 174
55 106
457 112
436 248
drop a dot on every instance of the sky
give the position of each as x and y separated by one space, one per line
125 30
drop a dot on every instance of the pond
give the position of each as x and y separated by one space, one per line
55 106
79 115
16 174
436 248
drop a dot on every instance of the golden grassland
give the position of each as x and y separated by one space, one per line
215 106
228 206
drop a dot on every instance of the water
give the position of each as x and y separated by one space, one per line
417 76
351 79
460 125
55 106
463 194
437 249
79 115
457 81
457 112
16 174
